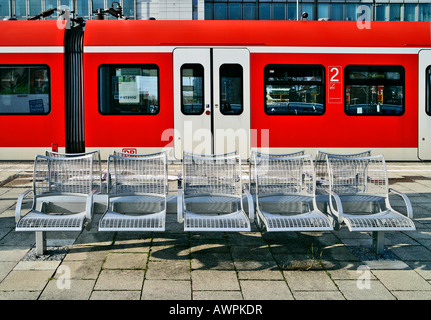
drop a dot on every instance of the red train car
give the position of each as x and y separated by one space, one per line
218 86
32 96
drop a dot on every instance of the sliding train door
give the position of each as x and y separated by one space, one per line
424 143
211 101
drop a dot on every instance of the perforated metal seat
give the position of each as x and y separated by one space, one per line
285 193
62 197
137 190
211 198
359 197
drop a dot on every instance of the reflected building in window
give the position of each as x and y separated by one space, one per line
380 10
339 10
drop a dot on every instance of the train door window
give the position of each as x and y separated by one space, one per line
374 90
192 89
24 90
231 89
428 91
129 89
294 89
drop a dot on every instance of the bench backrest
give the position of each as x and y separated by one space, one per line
63 175
212 175
284 174
146 174
321 164
358 175
97 165
253 158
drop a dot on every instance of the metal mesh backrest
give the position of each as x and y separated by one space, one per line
137 175
97 165
284 175
255 154
212 175
322 175
134 155
54 175
358 175
192 154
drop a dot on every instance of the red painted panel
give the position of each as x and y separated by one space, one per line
127 130
39 33
267 33
37 130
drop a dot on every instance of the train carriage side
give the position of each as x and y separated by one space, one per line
274 85
339 88
32 105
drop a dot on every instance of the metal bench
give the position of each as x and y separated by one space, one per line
211 198
97 165
62 197
137 191
285 194
359 197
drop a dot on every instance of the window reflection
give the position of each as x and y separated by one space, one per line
294 89
129 89
24 90
192 84
231 89
374 90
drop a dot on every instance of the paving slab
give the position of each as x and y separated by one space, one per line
79 269
214 280
265 290
126 261
215 295
402 280
169 270
358 290
26 280
309 280
120 280
116 295
166 290
57 289
318 295
412 295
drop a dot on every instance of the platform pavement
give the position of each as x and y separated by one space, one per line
178 265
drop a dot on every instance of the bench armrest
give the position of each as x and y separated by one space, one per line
180 206
406 201
19 204
250 205
339 211
89 209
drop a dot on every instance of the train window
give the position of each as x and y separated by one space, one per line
231 89
24 90
129 89
294 90
428 93
192 89
374 90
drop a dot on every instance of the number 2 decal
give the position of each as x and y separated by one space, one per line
335 90
335 71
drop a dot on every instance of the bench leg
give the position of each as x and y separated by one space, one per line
40 243
379 242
